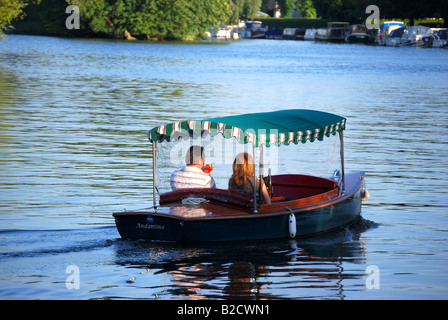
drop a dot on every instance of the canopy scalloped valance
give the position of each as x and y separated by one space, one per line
268 128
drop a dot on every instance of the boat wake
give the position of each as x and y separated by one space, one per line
34 243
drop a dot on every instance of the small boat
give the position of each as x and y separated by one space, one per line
437 39
252 30
301 205
224 32
334 32
440 38
293 33
274 33
394 38
358 34
413 36
386 30
310 34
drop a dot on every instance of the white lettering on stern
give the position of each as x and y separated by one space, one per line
149 226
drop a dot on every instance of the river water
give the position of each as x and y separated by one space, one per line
73 149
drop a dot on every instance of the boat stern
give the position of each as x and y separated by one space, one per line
145 224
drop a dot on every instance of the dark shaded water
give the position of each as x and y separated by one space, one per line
73 148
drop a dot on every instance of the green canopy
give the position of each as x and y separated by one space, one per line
268 128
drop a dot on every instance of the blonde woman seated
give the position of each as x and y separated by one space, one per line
242 179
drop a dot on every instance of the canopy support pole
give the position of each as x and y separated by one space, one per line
341 137
154 163
260 173
255 180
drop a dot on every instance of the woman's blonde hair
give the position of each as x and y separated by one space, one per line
243 168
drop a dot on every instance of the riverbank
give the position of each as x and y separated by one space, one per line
269 28
49 18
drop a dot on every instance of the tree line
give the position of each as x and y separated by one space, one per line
354 10
189 19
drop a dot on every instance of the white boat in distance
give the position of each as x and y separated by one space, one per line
394 38
224 32
310 34
386 30
438 38
413 36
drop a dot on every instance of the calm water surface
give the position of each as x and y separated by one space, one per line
73 148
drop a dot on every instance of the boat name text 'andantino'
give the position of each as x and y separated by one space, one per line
150 226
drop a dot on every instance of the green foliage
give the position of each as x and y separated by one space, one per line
286 7
45 17
306 8
354 10
152 19
243 9
341 10
10 10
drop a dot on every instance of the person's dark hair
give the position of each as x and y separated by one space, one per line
194 154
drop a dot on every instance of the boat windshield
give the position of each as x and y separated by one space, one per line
262 135
317 159
254 25
359 29
442 34
397 33
390 24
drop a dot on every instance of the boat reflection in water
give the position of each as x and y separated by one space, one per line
320 267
